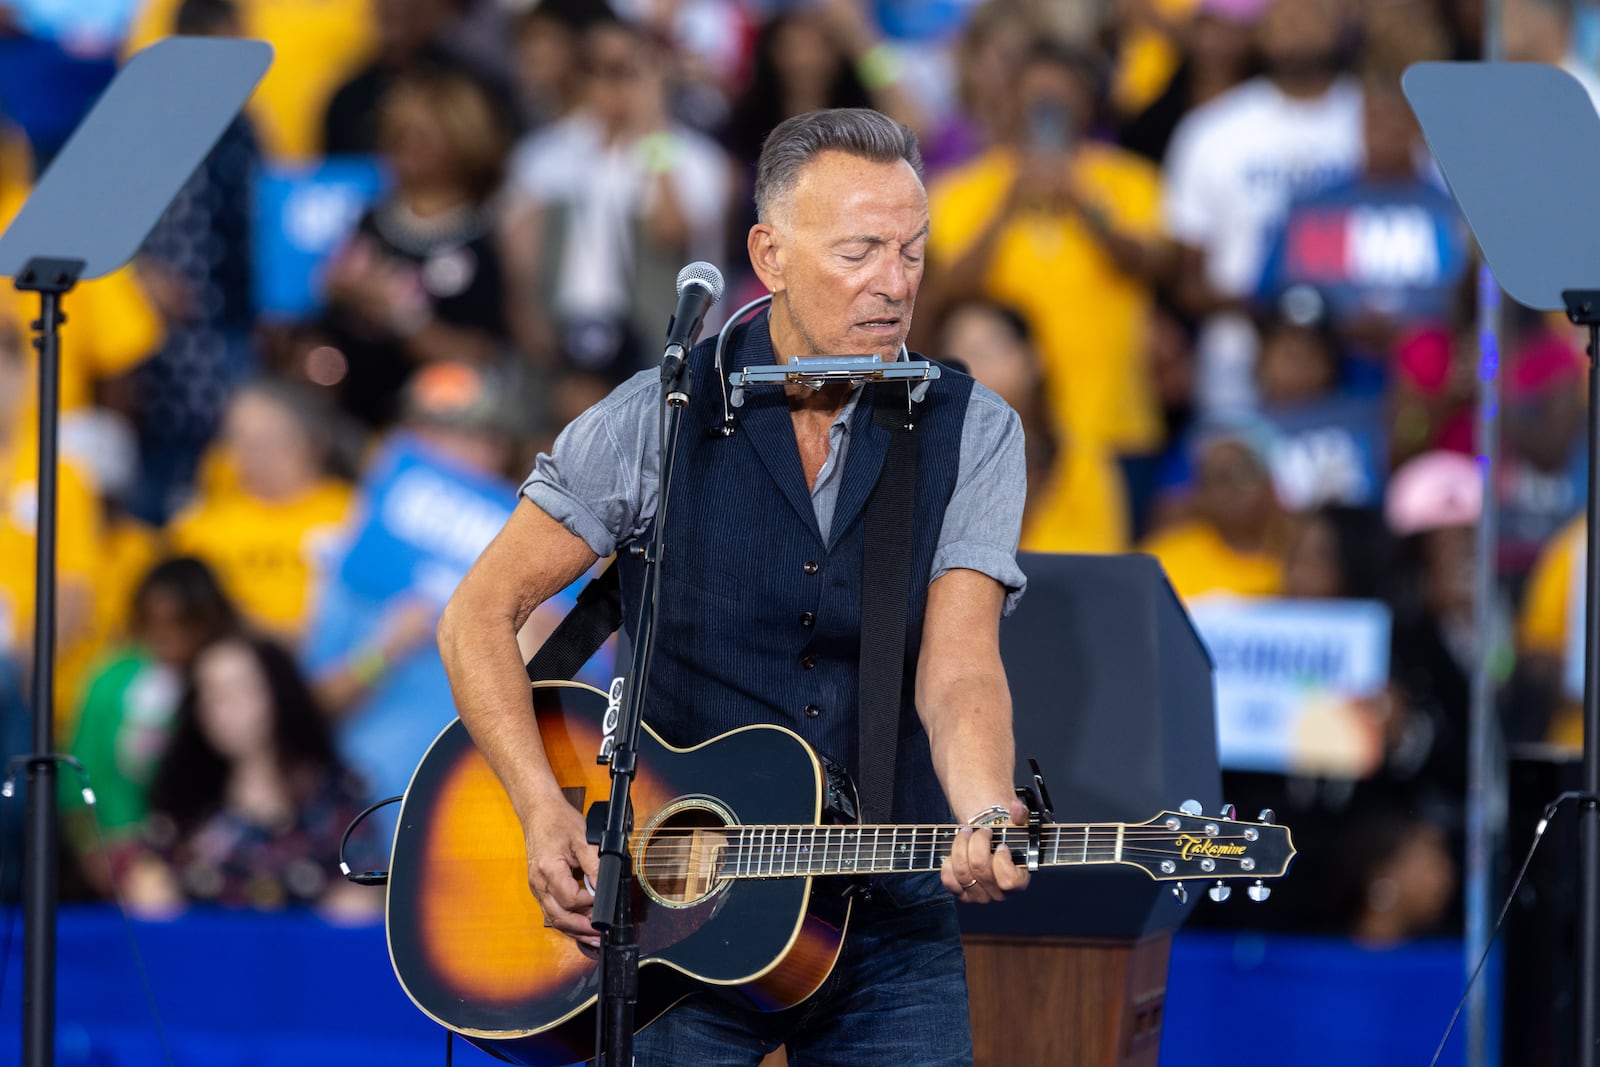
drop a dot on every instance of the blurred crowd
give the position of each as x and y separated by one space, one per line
1199 245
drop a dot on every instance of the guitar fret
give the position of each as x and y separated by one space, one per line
815 850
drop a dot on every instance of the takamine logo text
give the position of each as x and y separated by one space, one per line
1205 846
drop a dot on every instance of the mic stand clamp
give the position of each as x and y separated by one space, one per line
613 891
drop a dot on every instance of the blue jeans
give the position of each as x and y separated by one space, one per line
897 995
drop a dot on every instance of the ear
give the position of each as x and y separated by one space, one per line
765 256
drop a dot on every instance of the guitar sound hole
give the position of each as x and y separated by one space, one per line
680 862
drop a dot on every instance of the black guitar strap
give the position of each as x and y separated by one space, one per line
885 591
595 617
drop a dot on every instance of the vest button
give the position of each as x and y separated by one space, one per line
812 711
808 662
807 619
811 566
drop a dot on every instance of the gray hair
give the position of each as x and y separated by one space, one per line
855 131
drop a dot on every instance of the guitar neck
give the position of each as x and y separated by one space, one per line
778 851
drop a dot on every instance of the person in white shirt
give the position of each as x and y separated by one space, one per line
1232 169
605 206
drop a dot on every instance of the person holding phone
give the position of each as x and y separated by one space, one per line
1066 229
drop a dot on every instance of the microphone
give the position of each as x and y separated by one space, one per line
699 286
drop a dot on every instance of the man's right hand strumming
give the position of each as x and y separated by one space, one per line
560 858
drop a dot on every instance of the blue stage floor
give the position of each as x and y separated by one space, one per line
274 991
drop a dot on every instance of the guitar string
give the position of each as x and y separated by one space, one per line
840 863
770 835
650 844
1076 843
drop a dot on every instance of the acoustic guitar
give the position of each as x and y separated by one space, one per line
729 842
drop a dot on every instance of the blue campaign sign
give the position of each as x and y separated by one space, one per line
1294 679
1332 451
301 216
424 520
1393 249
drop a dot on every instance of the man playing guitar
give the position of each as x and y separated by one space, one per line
761 596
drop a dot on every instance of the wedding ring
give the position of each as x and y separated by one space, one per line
969 885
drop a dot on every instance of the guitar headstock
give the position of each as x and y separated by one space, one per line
1187 845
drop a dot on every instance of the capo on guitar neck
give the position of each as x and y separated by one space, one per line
1040 811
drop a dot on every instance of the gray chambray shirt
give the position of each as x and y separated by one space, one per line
600 479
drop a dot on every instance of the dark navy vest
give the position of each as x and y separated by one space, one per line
759 617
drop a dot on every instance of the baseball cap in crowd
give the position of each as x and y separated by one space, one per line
1433 491
1241 11
456 396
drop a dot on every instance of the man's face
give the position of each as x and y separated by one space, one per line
1054 103
1297 35
843 255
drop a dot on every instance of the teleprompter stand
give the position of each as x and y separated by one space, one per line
1519 144
92 209
51 279
1583 308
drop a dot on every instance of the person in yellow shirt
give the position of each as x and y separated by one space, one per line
1076 501
316 44
111 327
1067 231
1551 605
77 532
266 536
1237 537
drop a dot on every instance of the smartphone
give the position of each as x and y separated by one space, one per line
1049 126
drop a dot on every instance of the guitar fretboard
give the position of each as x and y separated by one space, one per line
784 851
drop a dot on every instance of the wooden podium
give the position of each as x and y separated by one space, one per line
1113 696
1094 1002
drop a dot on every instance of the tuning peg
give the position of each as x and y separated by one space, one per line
1229 812
1220 892
1267 816
1191 807
1180 892
1259 892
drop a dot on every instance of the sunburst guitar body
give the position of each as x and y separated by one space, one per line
728 845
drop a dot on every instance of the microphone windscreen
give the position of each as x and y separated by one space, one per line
703 272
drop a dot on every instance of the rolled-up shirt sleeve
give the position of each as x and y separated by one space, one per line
599 480
983 522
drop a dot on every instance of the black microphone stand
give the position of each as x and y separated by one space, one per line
613 906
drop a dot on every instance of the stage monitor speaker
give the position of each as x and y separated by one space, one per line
1112 693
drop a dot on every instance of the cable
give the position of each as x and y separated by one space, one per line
9 790
1538 835
365 877
127 922
449 1047
11 923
